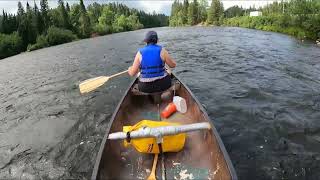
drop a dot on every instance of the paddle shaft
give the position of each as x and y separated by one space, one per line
154 167
118 74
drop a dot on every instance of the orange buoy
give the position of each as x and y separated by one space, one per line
170 109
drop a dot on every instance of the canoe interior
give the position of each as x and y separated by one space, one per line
201 158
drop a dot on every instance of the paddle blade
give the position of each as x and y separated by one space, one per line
92 84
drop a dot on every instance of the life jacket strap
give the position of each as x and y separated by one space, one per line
152 67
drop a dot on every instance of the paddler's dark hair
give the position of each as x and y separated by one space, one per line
151 37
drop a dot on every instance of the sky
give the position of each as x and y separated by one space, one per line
158 6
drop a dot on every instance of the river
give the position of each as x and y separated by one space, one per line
261 89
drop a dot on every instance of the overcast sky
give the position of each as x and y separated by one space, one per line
159 6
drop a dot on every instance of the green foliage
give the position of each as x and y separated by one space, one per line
120 23
192 18
234 11
107 16
215 12
84 22
64 15
41 43
44 8
57 36
133 22
10 44
123 23
188 13
269 23
44 27
299 18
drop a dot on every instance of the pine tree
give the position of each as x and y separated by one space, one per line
67 7
196 11
44 14
185 11
191 14
82 7
84 21
3 23
31 29
64 14
203 10
39 19
22 25
36 19
214 12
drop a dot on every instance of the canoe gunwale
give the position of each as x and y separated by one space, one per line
105 138
204 112
233 173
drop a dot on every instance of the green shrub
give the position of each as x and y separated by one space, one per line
41 43
278 23
102 29
10 45
58 36
301 35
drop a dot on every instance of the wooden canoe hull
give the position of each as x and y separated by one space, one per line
203 157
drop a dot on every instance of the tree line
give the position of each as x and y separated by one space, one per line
194 12
34 27
300 18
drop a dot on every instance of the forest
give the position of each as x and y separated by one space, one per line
34 27
299 18
194 12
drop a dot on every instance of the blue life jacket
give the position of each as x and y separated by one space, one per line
151 63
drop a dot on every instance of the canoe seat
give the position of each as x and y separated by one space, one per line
175 85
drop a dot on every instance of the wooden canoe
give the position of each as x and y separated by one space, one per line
203 157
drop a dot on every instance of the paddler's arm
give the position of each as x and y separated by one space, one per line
167 59
134 69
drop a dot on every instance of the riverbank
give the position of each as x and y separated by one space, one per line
33 28
277 23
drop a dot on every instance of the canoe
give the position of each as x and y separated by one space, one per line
203 156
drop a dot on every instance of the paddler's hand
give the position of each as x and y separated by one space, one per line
129 71
168 69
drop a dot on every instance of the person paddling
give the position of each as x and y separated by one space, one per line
150 61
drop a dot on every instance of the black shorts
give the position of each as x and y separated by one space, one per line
158 85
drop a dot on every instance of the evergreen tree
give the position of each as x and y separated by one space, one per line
22 25
42 28
84 21
191 14
234 11
203 10
37 19
3 23
67 7
94 12
64 15
31 26
215 12
185 11
196 12
44 14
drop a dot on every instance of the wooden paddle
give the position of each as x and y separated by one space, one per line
93 83
154 166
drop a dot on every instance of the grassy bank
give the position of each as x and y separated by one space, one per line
302 28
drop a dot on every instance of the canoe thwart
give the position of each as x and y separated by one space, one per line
159 132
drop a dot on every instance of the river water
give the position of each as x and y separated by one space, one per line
261 89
